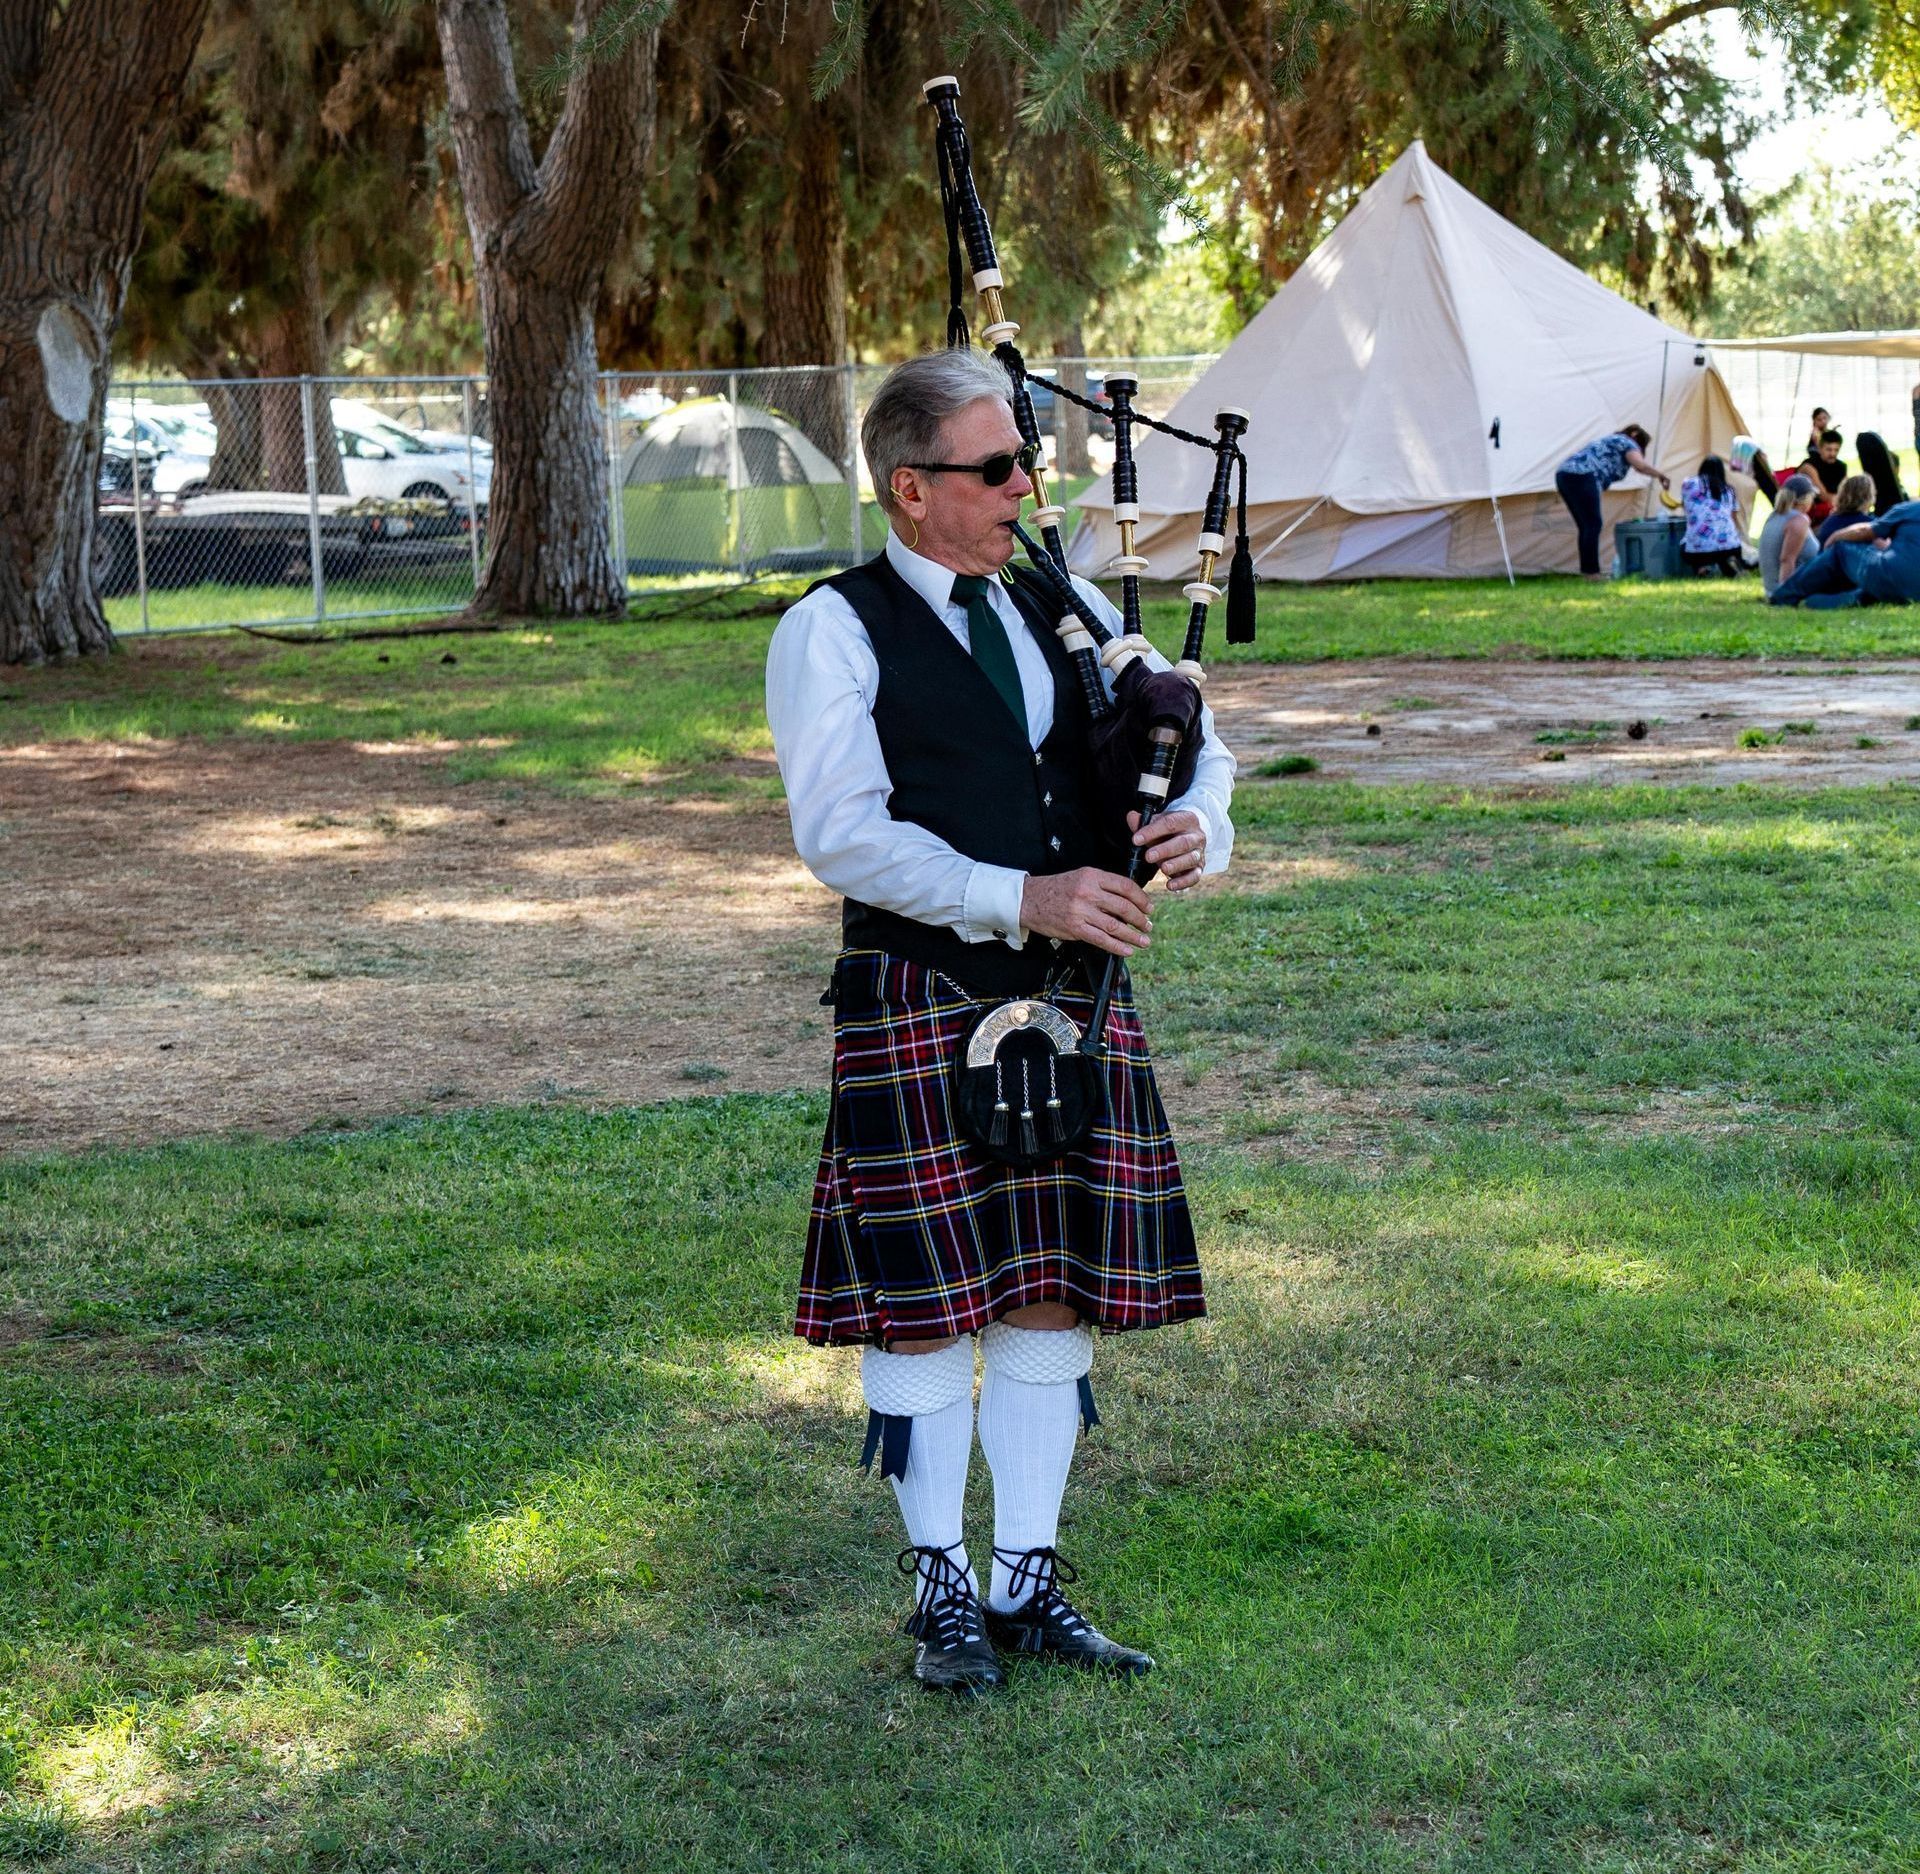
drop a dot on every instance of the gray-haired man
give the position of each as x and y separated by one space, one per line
933 741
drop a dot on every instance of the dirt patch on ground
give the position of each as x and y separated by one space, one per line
260 937
1496 725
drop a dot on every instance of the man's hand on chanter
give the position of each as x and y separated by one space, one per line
1088 906
1177 844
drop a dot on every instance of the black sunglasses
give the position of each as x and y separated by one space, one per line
996 471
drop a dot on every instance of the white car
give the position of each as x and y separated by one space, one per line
176 452
382 458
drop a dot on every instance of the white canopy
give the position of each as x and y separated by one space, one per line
1413 388
1830 344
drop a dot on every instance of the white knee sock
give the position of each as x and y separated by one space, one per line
935 1390
1029 1420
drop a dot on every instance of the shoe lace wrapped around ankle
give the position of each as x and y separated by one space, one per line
948 1612
1034 1586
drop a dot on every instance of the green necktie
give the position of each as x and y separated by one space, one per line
988 636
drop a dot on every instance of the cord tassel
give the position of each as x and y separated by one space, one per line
1029 1139
1056 1125
1241 603
1002 1112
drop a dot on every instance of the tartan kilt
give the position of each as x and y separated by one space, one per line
916 1234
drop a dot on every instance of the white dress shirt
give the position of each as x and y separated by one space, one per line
822 678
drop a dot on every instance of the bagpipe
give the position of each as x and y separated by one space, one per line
1145 734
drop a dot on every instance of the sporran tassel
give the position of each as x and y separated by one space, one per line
1240 576
1002 1112
1029 1139
1056 1130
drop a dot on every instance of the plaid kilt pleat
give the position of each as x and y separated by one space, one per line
915 1234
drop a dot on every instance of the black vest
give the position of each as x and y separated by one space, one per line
962 767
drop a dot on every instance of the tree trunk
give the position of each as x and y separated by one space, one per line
86 89
238 460
803 280
542 239
294 345
1069 420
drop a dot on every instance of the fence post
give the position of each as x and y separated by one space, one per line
733 473
473 482
139 514
313 502
610 400
857 540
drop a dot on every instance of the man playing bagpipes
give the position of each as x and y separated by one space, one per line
995 1165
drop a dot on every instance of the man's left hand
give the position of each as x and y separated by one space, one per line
1177 844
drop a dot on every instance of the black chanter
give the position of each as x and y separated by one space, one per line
1145 737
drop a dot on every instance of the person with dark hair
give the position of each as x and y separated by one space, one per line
1712 539
1818 424
1825 468
1787 536
1585 474
1876 460
1854 502
1871 562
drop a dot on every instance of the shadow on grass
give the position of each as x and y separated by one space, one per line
452 1496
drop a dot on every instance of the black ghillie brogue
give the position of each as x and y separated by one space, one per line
1046 1625
952 1654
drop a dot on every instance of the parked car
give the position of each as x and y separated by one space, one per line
380 457
176 454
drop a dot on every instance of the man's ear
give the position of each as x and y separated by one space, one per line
908 495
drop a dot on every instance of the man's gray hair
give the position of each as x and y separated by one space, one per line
911 407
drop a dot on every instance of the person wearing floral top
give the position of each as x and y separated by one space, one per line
1712 539
1583 475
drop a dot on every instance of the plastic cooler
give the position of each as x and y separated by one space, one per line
1649 548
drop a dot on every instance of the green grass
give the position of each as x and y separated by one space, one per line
596 706
676 700
1538 1497
429 589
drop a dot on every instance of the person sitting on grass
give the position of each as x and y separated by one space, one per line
1585 474
1712 539
1817 426
1785 539
1854 502
1876 461
1870 562
1826 469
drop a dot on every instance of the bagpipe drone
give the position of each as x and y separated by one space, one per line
1145 736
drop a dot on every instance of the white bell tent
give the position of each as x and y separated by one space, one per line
1413 388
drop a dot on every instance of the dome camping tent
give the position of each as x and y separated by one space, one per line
1413 388
716 486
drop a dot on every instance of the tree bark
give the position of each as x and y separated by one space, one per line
294 345
87 89
803 279
543 236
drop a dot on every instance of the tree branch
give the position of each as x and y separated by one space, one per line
497 174
593 163
1678 16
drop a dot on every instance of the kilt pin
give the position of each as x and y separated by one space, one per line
914 1233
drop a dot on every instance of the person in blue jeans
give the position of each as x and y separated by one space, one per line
1585 473
1873 562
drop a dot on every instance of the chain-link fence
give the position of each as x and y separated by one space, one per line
303 500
